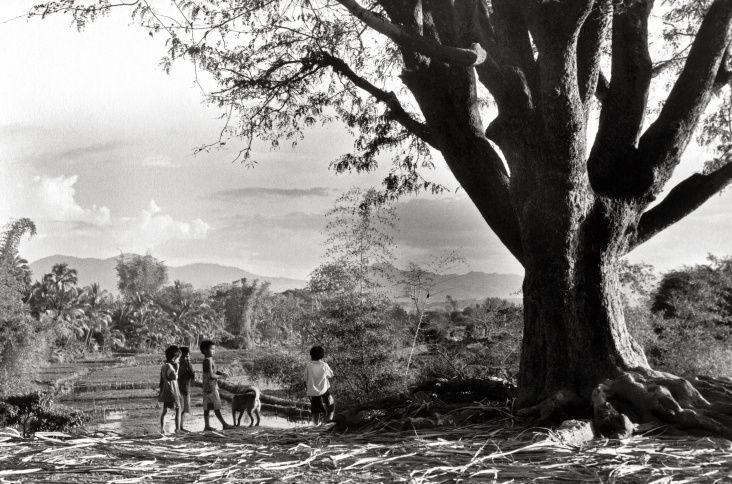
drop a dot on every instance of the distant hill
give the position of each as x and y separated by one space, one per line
200 275
473 286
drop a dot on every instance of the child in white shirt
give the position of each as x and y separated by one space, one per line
317 373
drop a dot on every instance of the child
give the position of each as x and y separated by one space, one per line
185 376
169 392
317 373
211 399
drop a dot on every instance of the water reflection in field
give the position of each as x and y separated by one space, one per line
147 421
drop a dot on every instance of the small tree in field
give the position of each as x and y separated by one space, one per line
139 274
414 76
355 322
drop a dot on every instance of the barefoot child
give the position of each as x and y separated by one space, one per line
169 392
211 399
185 376
317 373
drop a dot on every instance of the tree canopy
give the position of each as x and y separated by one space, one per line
140 274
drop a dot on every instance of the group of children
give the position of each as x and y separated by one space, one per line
177 373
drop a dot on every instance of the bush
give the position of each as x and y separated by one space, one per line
283 367
35 412
365 343
486 343
680 346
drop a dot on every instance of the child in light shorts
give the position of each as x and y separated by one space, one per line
211 398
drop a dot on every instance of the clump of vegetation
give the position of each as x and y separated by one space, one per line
281 366
23 339
35 412
479 341
685 323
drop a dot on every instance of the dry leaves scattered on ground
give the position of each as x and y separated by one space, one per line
494 452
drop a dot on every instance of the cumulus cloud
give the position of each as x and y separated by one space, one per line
53 199
158 226
65 226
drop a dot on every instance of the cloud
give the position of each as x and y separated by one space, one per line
88 151
440 223
53 199
65 226
158 161
155 225
259 192
429 227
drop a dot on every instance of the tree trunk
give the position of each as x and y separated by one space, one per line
574 330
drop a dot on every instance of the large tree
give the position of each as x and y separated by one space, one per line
506 92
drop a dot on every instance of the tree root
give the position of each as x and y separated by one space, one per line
641 400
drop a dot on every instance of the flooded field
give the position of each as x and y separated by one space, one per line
147 421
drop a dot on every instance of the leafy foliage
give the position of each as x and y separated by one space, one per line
140 274
23 339
684 323
282 366
242 305
35 412
478 342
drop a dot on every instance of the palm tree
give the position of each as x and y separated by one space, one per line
95 303
60 285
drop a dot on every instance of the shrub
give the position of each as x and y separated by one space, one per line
486 343
35 412
365 345
284 367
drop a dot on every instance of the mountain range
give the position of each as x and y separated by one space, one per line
103 272
461 287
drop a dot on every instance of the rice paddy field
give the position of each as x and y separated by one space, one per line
123 445
121 393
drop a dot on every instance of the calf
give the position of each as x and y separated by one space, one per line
249 401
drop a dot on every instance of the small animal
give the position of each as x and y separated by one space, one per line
249 401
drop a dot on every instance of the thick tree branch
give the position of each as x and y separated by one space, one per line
479 170
686 197
661 146
473 56
624 108
724 75
389 98
589 44
602 90
555 28
505 36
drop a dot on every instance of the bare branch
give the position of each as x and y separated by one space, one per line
389 98
473 56
686 197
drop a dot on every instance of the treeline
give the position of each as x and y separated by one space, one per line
683 321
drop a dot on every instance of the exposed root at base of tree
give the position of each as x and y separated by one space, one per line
644 400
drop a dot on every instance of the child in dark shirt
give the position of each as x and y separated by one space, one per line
185 376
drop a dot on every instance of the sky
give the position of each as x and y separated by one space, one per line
96 147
